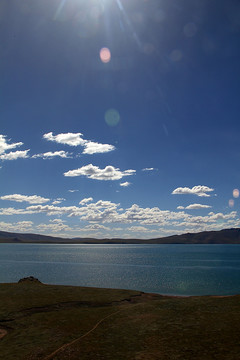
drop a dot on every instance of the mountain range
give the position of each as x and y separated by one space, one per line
225 236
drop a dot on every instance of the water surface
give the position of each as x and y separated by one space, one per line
164 269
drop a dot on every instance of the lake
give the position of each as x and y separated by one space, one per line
164 269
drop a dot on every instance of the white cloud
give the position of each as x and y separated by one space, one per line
50 155
104 204
21 226
33 199
137 228
149 169
72 191
94 172
95 227
58 201
54 227
5 146
54 210
93 148
56 221
13 211
125 184
75 139
72 139
200 223
143 220
146 216
197 206
220 216
199 190
26 223
194 207
101 211
14 155
85 201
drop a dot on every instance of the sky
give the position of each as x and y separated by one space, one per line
119 118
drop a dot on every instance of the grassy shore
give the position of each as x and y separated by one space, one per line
46 322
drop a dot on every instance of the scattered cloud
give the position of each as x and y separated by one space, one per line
32 199
94 172
72 139
148 221
95 227
125 184
21 226
180 207
137 228
103 212
12 211
14 155
5 146
199 190
72 191
56 221
58 201
149 169
51 155
75 139
85 201
91 147
55 227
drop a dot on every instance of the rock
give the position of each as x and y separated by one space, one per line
30 279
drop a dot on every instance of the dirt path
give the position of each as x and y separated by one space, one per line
63 347
138 300
2 333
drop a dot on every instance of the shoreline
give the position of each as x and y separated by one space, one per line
144 293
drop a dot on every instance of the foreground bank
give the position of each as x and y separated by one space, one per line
64 322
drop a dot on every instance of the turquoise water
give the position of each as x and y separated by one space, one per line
164 269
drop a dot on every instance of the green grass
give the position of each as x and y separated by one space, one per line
41 318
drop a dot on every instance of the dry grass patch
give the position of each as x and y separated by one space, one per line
109 324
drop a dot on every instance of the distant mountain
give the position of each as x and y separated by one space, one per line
35 238
226 236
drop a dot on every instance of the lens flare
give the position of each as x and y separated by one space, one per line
112 117
236 193
231 203
105 55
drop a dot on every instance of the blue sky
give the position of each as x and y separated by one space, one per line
119 118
